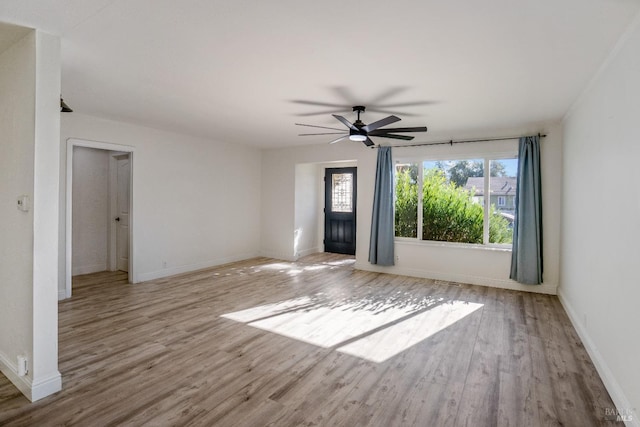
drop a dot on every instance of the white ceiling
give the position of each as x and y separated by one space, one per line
9 34
229 70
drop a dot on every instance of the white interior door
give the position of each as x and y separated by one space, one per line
123 174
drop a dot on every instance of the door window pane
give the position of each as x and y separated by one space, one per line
342 192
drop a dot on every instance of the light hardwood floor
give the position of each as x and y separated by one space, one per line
316 343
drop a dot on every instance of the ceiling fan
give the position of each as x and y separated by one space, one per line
358 131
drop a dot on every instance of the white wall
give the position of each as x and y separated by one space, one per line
17 86
279 193
601 227
446 262
196 202
29 125
90 210
306 209
46 378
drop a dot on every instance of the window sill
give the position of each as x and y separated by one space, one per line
430 243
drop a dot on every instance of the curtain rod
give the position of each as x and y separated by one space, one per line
461 141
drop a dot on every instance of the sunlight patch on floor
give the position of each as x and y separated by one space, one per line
267 310
278 266
371 330
396 338
292 269
342 262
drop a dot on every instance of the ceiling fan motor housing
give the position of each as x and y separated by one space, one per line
359 131
358 123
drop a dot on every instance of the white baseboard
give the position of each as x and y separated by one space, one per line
33 390
305 252
10 370
44 387
172 271
545 288
277 255
88 269
62 294
615 391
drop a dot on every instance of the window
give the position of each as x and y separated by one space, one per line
406 208
447 201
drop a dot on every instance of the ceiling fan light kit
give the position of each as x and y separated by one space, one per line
357 137
361 132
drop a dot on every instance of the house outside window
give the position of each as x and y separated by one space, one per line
446 201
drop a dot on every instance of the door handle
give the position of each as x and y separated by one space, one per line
118 218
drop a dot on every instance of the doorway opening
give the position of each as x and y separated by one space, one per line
340 210
99 210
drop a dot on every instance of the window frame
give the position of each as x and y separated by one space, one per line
486 157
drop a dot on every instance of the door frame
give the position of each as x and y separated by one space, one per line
113 204
76 142
355 202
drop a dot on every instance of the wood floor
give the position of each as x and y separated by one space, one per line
315 343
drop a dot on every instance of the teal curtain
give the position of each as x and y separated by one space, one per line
526 256
382 226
